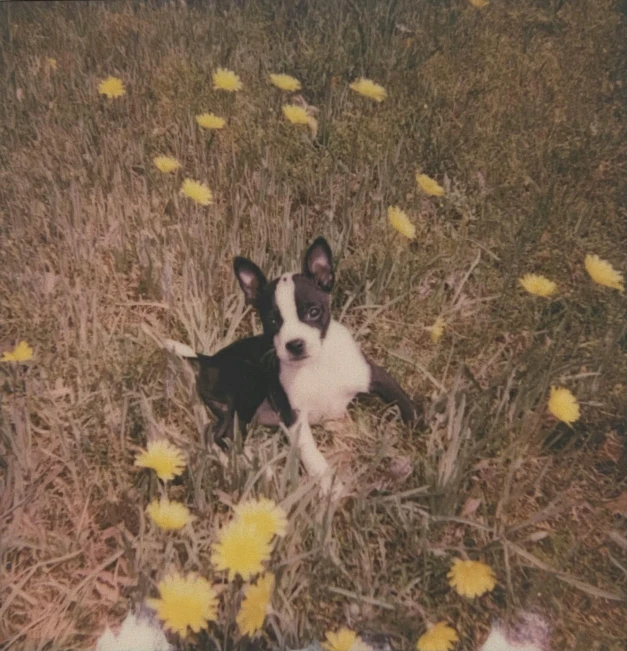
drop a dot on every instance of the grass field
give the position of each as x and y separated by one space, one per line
517 109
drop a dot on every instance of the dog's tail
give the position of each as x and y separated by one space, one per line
182 350
176 347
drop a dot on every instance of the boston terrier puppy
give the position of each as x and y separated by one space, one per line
304 368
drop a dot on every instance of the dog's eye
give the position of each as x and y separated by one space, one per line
314 312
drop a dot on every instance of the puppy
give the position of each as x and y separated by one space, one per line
304 368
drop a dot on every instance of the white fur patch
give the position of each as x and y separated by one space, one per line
135 635
292 327
178 348
498 642
529 633
321 387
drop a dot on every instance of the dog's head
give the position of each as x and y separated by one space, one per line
294 308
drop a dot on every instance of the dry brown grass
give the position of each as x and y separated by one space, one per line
519 109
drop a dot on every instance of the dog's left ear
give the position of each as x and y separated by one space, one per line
318 264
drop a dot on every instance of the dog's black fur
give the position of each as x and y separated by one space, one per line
236 381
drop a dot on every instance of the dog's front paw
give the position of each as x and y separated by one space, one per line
339 491
331 487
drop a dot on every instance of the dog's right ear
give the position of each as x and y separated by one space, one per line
250 278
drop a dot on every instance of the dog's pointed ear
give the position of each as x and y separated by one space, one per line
250 278
318 264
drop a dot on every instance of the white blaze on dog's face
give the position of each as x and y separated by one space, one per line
301 317
295 308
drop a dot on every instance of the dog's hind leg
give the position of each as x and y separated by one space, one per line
222 428
222 432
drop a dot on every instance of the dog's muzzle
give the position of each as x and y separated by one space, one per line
296 348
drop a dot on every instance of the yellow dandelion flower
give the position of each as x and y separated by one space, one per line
224 79
164 458
479 4
368 88
188 601
210 121
429 186
166 164
343 640
285 82
400 221
169 515
197 192
603 273
563 405
240 550
440 637
296 114
263 516
538 285
111 87
471 578
52 63
21 353
437 329
255 606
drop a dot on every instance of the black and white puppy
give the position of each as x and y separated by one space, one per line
304 368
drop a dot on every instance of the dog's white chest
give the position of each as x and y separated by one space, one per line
322 387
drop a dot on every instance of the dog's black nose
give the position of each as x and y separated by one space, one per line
295 347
